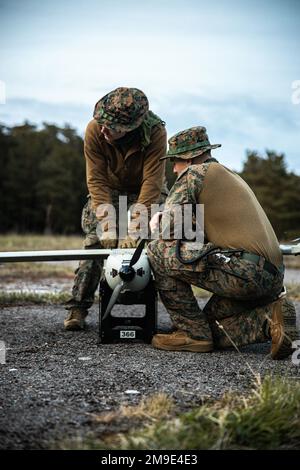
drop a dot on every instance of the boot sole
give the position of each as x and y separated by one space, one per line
184 347
285 349
74 326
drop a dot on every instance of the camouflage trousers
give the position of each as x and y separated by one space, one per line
242 293
88 273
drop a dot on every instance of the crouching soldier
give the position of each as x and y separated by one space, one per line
240 261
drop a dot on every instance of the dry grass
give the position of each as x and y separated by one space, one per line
8 299
293 291
151 408
13 242
292 261
267 418
35 271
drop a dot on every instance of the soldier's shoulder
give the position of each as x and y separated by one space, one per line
199 169
93 128
210 165
218 169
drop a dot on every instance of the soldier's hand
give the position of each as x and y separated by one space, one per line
154 222
128 242
108 240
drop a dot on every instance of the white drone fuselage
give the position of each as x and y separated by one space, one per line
116 267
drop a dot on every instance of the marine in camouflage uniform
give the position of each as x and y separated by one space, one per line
240 261
123 147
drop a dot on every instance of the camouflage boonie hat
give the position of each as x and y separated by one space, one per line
189 143
122 110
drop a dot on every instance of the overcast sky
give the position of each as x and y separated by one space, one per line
228 65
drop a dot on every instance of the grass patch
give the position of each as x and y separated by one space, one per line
21 298
35 271
13 242
292 262
268 418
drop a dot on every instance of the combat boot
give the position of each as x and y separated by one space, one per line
75 319
180 341
283 329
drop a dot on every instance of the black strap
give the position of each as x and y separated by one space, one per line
138 252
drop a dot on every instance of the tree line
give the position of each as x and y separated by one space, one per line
43 185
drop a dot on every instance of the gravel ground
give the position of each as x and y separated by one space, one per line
54 381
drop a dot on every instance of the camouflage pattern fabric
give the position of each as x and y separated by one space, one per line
88 273
122 110
185 190
241 288
189 143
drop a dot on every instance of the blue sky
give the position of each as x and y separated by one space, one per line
228 65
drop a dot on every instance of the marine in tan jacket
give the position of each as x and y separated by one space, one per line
123 147
125 164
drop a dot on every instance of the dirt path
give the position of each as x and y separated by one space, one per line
54 381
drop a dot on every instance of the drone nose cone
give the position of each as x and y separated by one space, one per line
126 273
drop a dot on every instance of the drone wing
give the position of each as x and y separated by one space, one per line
56 255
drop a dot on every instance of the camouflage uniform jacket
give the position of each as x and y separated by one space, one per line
137 170
233 218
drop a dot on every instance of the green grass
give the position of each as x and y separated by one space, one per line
268 418
31 298
21 298
293 291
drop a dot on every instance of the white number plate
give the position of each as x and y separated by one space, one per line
127 334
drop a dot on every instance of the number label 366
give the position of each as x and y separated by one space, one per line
127 334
